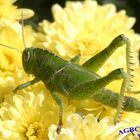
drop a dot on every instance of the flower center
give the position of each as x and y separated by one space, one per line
35 131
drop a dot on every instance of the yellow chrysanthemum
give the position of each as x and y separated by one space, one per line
28 116
11 62
24 117
11 33
88 128
11 71
84 28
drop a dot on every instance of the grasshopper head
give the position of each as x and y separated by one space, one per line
27 60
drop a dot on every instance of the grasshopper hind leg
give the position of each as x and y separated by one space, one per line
121 101
91 88
95 63
100 58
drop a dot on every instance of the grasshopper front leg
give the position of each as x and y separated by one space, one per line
24 85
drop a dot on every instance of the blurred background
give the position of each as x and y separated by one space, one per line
42 9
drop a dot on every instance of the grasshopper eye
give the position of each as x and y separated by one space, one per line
26 56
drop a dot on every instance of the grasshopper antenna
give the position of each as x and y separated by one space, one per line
11 48
22 22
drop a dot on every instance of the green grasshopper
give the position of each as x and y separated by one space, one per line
81 82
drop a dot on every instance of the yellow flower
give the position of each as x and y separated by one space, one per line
28 116
11 60
88 128
11 71
24 117
11 34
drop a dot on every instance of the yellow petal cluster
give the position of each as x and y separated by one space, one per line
89 128
28 116
24 117
11 35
